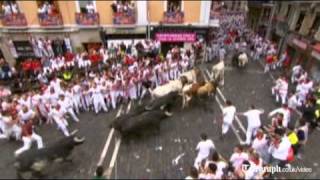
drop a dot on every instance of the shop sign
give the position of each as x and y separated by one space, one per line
300 44
315 54
176 37
23 48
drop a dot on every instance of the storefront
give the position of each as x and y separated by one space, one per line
23 50
298 50
125 34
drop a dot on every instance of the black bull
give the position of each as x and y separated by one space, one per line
37 160
150 114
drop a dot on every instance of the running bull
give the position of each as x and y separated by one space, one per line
162 103
138 124
36 161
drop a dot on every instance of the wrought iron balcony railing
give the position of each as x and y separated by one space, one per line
88 19
54 19
173 17
128 17
14 20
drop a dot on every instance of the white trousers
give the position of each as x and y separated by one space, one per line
198 160
251 131
72 114
225 127
86 102
283 97
114 96
14 130
27 142
98 103
62 125
77 102
133 93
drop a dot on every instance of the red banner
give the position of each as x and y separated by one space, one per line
176 37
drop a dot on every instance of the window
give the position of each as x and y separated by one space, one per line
300 20
86 6
174 6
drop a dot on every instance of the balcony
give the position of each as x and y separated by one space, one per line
53 19
173 17
88 19
120 18
14 20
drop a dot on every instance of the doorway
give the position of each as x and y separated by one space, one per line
166 46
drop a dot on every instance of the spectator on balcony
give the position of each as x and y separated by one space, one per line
90 8
43 10
6 8
114 6
14 8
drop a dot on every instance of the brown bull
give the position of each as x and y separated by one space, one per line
197 90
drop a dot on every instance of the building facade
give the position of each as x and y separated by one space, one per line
294 26
90 23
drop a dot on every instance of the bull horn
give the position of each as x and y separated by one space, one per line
74 132
167 113
79 140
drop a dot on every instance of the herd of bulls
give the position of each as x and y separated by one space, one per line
163 98
35 161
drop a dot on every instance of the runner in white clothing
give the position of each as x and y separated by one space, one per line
254 122
58 115
204 149
98 98
228 113
66 105
9 127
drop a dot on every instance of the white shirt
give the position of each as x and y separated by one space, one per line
220 166
57 114
65 104
286 115
204 148
253 117
296 69
255 171
238 158
282 151
90 8
76 89
24 117
52 98
228 114
293 102
259 144
7 9
14 8
5 105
